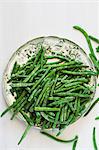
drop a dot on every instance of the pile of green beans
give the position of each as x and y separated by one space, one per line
50 95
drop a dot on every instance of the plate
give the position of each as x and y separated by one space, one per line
53 45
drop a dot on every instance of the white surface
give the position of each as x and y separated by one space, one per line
22 21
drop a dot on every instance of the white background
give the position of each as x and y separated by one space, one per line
21 21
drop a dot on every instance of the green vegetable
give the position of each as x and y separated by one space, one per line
80 73
97 49
94 39
58 56
74 144
97 118
94 103
38 82
22 84
46 109
46 117
41 94
72 94
65 123
57 139
94 139
56 120
14 104
54 84
31 74
29 120
25 133
59 102
92 54
15 68
96 62
17 109
87 38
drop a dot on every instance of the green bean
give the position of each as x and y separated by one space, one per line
20 72
71 66
68 112
78 106
44 125
64 77
65 123
96 63
97 118
68 86
64 64
38 56
59 102
94 103
74 144
14 104
22 84
54 98
31 74
61 114
28 119
43 61
71 107
51 73
25 133
19 104
97 49
80 72
74 80
57 139
43 99
57 56
72 94
94 139
38 82
38 118
27 106
46 95
18 109
65 113
76 89
50 117
15 67
46 109
87 38
29 62
33 93
40 99
36 74
94 39
47 125
38 92
51 114
20 76
32 104
54 84
56 120
45 116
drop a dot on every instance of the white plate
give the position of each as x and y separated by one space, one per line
52 45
